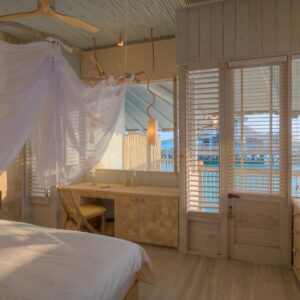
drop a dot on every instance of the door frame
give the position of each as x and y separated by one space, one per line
224 108
216 218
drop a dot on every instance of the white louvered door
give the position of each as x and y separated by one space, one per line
257 166
202 138
204 166
236 160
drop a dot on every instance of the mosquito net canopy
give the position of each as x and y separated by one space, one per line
67 124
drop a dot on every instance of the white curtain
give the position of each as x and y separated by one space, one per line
43 100
139 155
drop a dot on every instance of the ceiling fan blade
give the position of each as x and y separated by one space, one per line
74 21
28 14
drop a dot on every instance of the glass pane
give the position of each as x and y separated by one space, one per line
256 165
129 148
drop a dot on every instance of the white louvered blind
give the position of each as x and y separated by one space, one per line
202 140
73 157
295 127
34 188
257 160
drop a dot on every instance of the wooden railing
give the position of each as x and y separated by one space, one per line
166 164
262 174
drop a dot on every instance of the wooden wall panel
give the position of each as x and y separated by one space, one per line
239 29
269 26
242 28
255 27
217 31
229 28
283 22
205 33
193 35
181 35
295 25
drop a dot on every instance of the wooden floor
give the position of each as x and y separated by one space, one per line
187 277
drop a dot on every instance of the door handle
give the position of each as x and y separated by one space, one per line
231 196
230 213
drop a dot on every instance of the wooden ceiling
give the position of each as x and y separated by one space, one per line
110 16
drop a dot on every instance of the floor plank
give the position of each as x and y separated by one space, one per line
190 277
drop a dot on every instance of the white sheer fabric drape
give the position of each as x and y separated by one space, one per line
69 124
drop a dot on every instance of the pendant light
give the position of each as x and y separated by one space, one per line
152 131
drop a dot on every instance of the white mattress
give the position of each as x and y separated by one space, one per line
39 263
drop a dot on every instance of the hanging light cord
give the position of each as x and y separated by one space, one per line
150 78
126 36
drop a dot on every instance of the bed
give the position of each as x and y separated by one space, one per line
38 263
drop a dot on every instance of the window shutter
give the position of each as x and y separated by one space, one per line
34 188
73 158
257 156
176 123
295 127
202 140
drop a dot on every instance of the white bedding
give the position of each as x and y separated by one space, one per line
39 263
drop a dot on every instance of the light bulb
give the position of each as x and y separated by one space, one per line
120 41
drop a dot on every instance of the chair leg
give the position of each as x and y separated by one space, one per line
89 226
103 224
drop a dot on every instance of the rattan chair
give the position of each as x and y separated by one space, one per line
80 215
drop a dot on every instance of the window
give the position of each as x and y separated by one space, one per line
129 148
257 163
202 140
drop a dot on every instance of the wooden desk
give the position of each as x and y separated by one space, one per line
143 214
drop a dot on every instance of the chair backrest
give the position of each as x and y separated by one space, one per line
68 202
